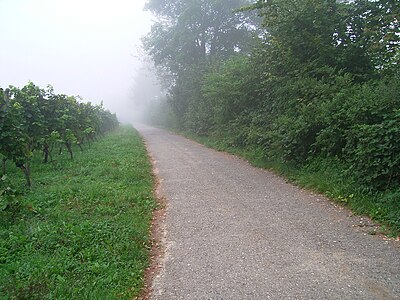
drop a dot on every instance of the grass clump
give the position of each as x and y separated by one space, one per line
82 231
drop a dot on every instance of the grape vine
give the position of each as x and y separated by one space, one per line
33 119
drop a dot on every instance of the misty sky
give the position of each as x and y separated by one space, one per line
89 48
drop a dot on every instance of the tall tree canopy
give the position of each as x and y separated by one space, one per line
359 36
189 32
188 39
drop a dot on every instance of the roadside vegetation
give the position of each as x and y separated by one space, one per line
34 120
82 230
308 88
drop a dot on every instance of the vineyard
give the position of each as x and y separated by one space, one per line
78 228
82 230
36 120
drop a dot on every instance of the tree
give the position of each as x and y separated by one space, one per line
191 35
190 31
374 26
358 37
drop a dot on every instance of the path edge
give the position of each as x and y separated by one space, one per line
157 250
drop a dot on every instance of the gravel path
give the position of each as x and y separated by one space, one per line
238 232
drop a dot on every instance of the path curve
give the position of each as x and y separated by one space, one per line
238 232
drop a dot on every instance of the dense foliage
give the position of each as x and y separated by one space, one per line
34 119
318 80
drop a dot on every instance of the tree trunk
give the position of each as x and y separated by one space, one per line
26 168
69 148
51 148
46 154
203 45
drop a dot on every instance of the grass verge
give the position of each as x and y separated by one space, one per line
327 176
82 232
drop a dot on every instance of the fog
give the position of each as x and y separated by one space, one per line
89 48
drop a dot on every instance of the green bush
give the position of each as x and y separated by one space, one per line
374 152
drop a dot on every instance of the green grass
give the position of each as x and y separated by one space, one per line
326 176
82 232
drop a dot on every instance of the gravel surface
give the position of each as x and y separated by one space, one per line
233 231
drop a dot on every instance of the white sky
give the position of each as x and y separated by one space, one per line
81 47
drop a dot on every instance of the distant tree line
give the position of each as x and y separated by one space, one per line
38 120
299 79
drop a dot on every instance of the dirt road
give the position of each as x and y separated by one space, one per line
237 232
